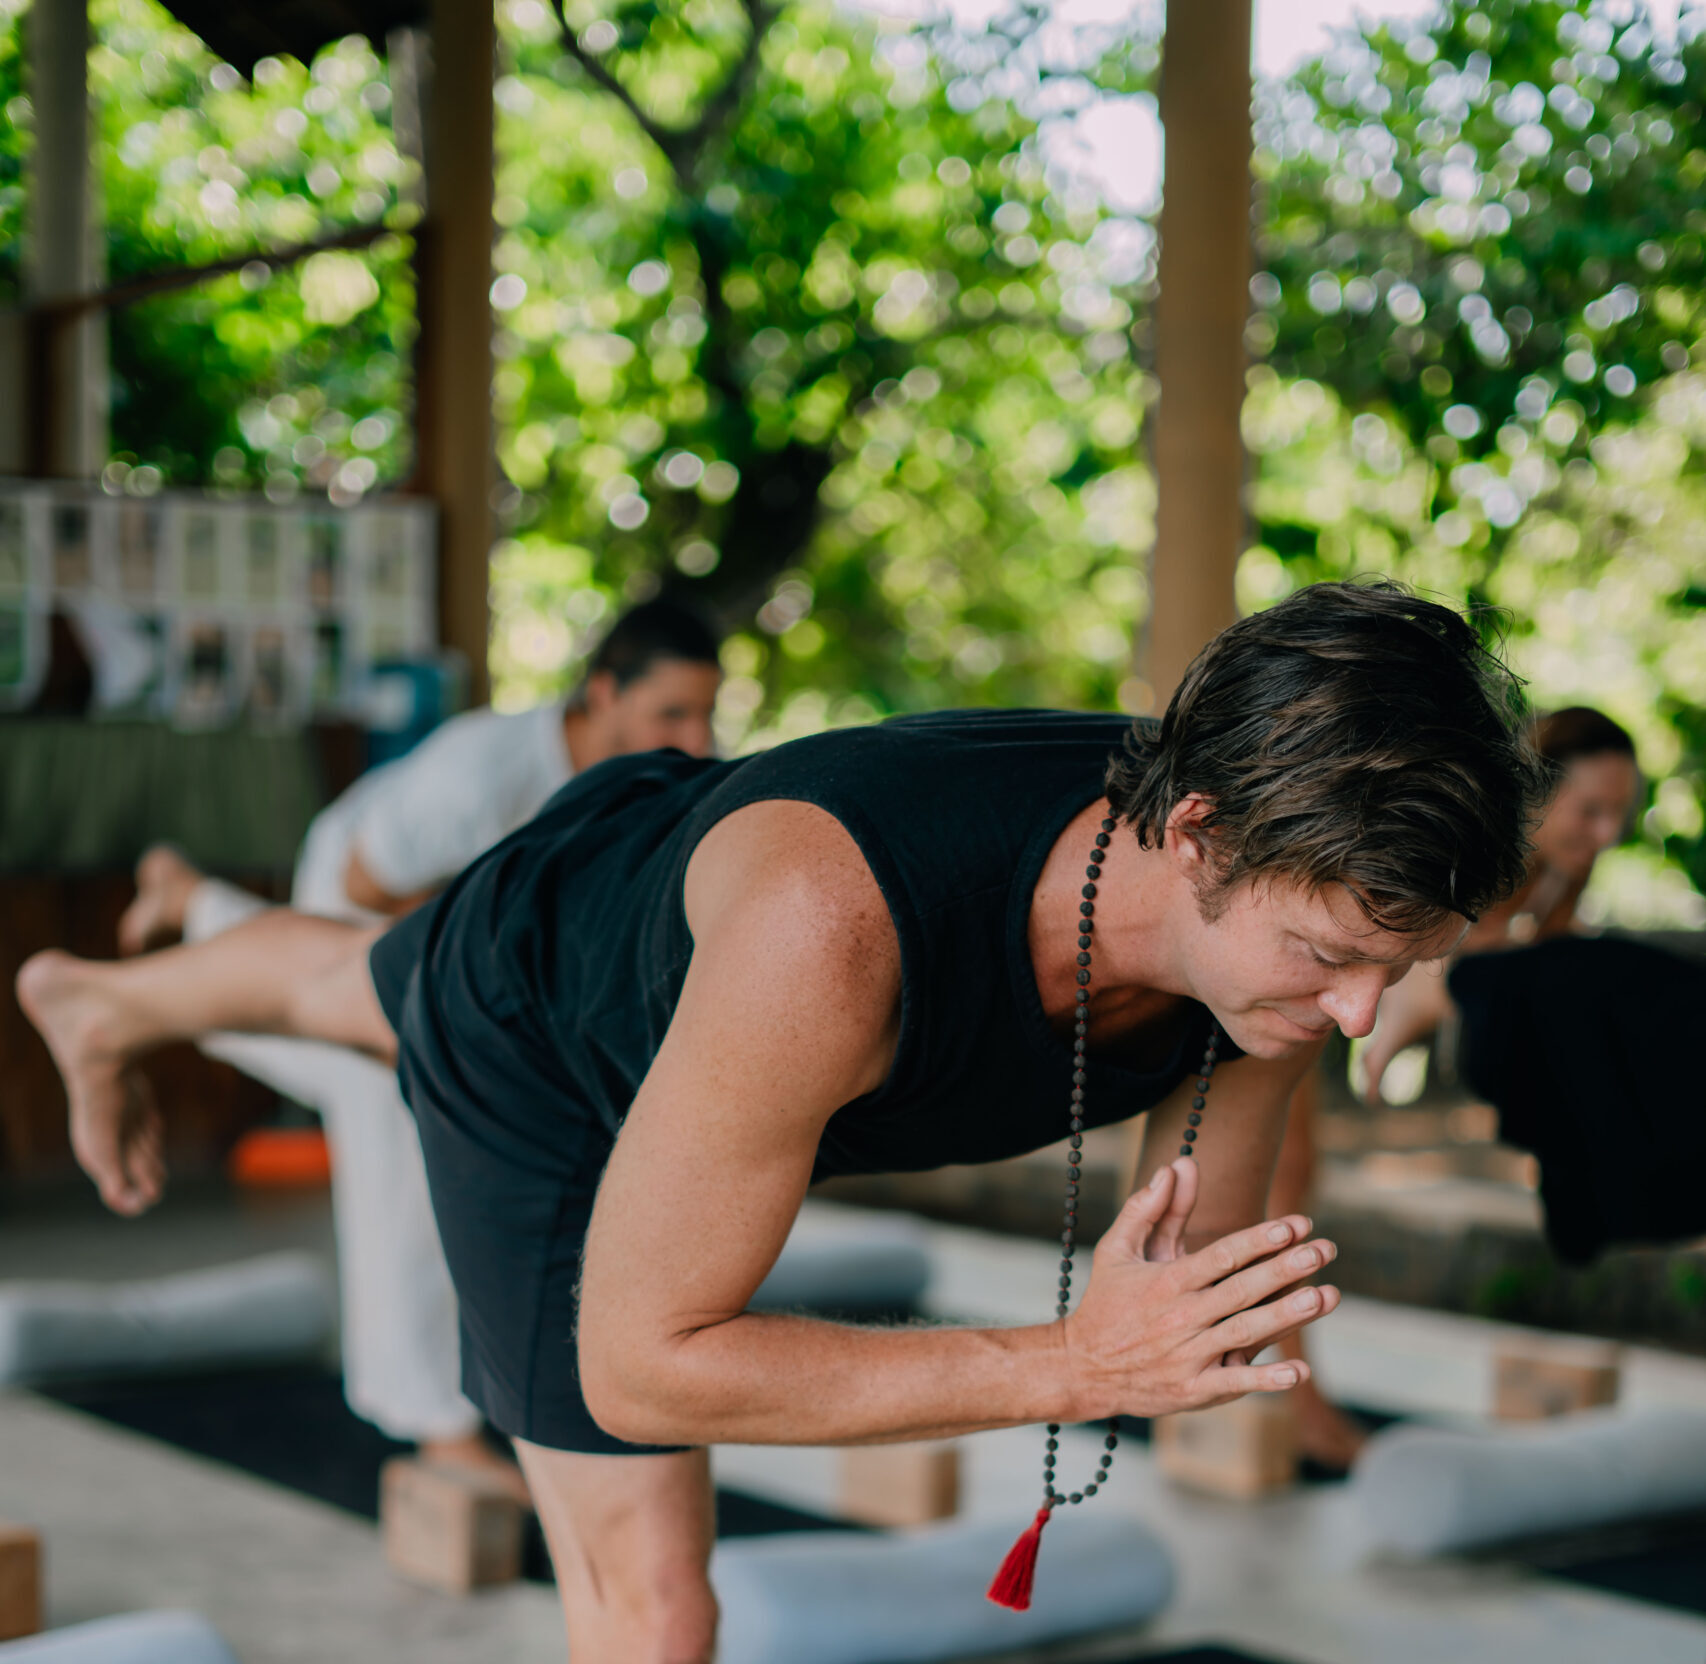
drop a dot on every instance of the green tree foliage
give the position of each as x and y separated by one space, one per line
801 308
15 116
256 378
795 307
1485 237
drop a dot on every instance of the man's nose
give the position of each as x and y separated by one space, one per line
1353 1002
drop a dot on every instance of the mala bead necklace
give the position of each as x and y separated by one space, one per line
1012 1585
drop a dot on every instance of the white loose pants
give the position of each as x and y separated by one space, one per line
401 1356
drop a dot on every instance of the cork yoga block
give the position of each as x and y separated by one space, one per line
20 1582
1538 1376
1242 1449
900 1484
449 1528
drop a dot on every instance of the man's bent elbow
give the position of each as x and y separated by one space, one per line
632 1401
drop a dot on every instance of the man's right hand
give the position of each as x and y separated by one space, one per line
1159 1330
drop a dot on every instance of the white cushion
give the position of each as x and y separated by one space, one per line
848 1597
277 1307
1424 1490
140 1638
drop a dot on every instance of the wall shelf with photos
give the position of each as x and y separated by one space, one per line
203 611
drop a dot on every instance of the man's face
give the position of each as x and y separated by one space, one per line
670 705
1281 966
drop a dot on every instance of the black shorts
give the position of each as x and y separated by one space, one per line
512 1168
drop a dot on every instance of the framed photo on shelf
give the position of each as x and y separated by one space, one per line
328 560
270 557
23 648
139 534
23 541
71 545
337 664
280 674
202 567
205 689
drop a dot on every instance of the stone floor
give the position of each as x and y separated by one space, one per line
130 1524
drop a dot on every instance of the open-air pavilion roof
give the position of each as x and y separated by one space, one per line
248 30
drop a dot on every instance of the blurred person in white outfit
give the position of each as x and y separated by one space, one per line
392 840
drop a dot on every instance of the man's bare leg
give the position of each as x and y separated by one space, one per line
164 882
631 1541
1324 1431
280 973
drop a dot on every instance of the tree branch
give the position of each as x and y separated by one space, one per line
600 76
185 277
683 147
724 104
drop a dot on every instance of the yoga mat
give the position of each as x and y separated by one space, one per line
292 1427
1661 1561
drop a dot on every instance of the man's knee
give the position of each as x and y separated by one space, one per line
632 1538
335 1000
646 1608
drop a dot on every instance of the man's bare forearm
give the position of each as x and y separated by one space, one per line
767 1379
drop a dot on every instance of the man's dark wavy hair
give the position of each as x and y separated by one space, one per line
1352 735
662 631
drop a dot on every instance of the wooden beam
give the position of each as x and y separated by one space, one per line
453 352
170 278
67 389
1199 332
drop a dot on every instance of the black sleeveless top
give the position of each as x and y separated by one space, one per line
567 944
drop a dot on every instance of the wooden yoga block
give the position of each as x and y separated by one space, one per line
1537 1376
447 1527
20 1582
1242 1449
900 1484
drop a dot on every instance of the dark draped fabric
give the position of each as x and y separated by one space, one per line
1591 1049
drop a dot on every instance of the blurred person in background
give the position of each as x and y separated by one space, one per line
1597 784
393 840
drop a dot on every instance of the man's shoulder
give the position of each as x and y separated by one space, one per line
996 733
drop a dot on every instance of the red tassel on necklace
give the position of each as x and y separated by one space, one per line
1012 1585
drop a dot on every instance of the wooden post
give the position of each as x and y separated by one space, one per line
66 377
1199 332
14 380
453 351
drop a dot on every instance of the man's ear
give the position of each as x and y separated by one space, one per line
1187 842
601 691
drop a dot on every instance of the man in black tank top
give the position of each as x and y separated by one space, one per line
635 1032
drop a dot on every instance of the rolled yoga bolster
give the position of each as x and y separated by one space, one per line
1423 1490
280 1307
140 1638
909 1597
274 1308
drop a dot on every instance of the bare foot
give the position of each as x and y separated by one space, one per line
164 880
1324 1432
471 1453
115 1124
